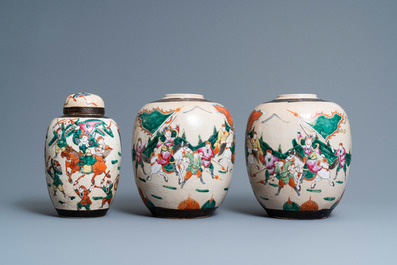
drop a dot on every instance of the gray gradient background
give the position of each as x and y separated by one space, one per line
238 53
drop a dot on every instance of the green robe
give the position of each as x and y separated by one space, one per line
109 194
194 166
87 160
284 175
56 180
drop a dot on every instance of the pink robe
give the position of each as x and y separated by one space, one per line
207 155
165 156
270 163
341 153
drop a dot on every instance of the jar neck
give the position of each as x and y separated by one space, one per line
85 111
183 96
297 96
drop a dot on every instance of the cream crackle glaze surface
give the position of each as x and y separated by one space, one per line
183 152
82 159
298 153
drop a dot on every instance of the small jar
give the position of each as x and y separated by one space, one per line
82 158
298 155
183 155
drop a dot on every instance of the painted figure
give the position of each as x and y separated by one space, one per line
256 148
206 155
220 143
83 194
270 164
341 153
194 168
102 149
139 148
286 174
55 170
250 158
165 156
107 188
86 162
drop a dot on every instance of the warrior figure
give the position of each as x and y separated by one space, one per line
166 152
206 154
194 167
138 155
341 153
270 164
220 143
107 188
86 162
54 171
286 174
256 148
83 193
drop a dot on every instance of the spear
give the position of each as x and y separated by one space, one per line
304 122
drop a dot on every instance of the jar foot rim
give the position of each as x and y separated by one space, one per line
320 214
181 214
82 214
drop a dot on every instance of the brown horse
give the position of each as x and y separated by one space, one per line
72 166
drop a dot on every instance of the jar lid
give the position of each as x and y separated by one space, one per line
84 104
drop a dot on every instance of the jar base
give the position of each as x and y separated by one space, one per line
321 214
178 214
82 214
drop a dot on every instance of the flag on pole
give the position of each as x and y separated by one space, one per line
151 120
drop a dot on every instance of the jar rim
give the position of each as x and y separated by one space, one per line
297 96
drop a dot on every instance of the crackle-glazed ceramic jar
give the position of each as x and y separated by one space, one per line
82 158
298 155
183 155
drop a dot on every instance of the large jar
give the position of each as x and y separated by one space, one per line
82 158
298 155
183 155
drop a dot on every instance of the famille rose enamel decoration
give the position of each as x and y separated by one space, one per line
298 155
82 158
183 155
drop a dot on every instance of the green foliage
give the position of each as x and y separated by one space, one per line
148 203
209 204
169 187
291 206
311 190
157 197
199 190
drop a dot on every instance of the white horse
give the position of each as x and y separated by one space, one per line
298 162
324 172
227 155
156 168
